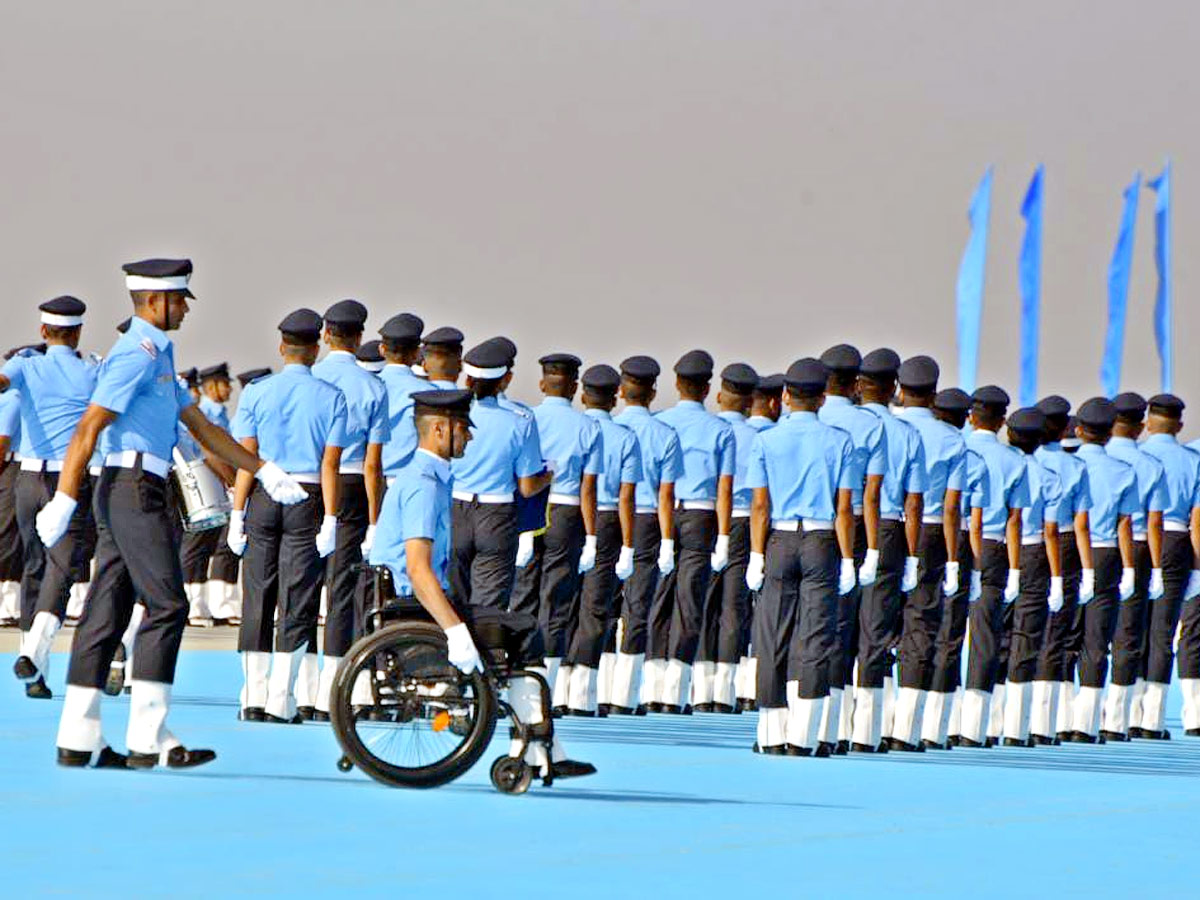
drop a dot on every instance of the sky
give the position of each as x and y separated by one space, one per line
762 179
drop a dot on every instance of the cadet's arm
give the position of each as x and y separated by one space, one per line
625 512
587 503
528 485
1053 548
331 479
666 509
914 512
871 494
760 519
843 523
1125 540
5 446
5 384
1012 538
244 482
724 504
951 522
419 553
217 441
1083 538
83 444
976 535
1195 532
1154 537
372 478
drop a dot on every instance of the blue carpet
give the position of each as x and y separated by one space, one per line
680 808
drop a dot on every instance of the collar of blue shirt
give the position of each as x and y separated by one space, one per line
1162 438
836 400
1122 442
401 366
800 415
59 350
297 368
555 401
690 404
632 410
597 413
1091 450
982 434
139 327
340 356
730 415
916 412
441 467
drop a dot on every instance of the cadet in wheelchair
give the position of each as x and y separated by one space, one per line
399 668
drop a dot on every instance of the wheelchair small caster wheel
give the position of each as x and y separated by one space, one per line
511 776
344 764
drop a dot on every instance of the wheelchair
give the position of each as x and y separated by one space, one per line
408 718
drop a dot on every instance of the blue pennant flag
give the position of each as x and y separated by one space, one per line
1118 292
970 284
1031 286
1162 260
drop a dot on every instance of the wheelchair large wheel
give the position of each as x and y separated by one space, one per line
414 720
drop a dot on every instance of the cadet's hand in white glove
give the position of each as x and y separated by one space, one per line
950 582
846 577
1155 591
524 549
368 541
720 554
1125 588
756 571
976 586
281 486
54 518
1055 597
869 569
666 556
460 649
327 536
1012 587
908 580
587 559
625 563
235 537
1087 586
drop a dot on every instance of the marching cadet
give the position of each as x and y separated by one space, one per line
441 357
1041 577
499 462
801 559
870 462
1181 582
11 554
704 506
54 390
133 414
997 573
1115 499
298 422
900 516
572 444
361 481
222 594
369 357
767 402
400 344
726 613
1129 640
1054 679
945 455
654 517
615 488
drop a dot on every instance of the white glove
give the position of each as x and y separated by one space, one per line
587 559
54 518
1087 586
461 649
756 571
720 554
666 556
1193 586
282 487
908 580
625 563
327 536
846 577
950 582
1156 584
524 549
368 542
1055 597
869 568
1125 588
236 536
1012 587
976 586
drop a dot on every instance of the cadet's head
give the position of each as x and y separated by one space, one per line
62 321
989 405
400 339
1096 419
638 378
1166 414
191 380
344 323
842 361
560 375
693 375
510 353
768 397
952 406
1057 411
160 292
441 354
485 366
600 384
300 337
214 382
738 382
877 376
1026 429
918 379
443 421
1131 413
806 380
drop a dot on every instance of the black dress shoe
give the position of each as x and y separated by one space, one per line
883 746
842 748
320 715
1064 737
297 719
603 709
1118 737
902 746
772 750
725 709
954 740
990 742
614 710
745 704
824 750
1135 732
558 711
1081 737
1040 740
306 712
670 709
177 758
1014 742
107 758
252 714
37 690
642 709
569 768
581 713
971 744
654 707
24 668
861 748
933 745
704 708
793 750
1192 732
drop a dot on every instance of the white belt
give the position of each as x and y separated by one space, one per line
306 477
997 536
606 507
858 510
95 471
1031 541
890 517
785 524
802 524
1140 537
1176 526
127 459
32 464
467 497
562 499
1104 545
931 520
707 505
350 468
646 510
741 514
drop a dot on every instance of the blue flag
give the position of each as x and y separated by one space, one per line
1162 259
970 284
1118 292
1031 287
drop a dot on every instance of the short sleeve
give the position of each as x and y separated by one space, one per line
1130 505
672 465
529 455
981 482
1083 492
877 452
727 452
956 472
1196 495
918 481
756 465
1159 499
631 460
380 431
14 371
10 415
593 459
120 377
1018 492
245 425
418 509
336 437
848 477
1052 495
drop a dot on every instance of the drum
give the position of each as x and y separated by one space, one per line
203 501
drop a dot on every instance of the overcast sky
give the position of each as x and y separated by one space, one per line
762 179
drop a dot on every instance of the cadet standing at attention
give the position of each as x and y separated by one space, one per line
704 500
361 480
400 345
766 402
11 557
442 357
653 523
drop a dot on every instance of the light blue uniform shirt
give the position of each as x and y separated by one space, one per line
662 457
213 411
945 457
1114 491
1181 467
55 390
294 417
1151 479
1007 480
803 463
10 418
976 487
743 437
400 384
366 403
867 434
906 462
622 458
760 423
499 453
525 412
416 506
1045 494
1074 489
571 441
708 448
137 382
